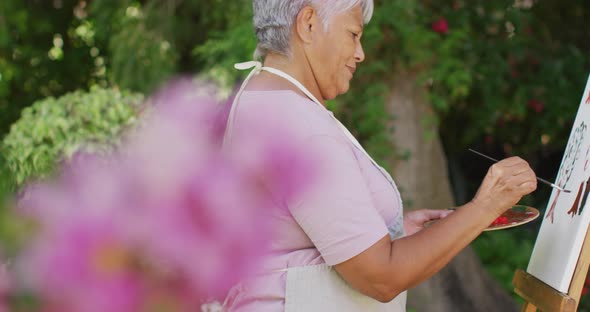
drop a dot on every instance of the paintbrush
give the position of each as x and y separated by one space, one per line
540 180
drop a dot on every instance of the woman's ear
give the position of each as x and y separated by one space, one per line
306 24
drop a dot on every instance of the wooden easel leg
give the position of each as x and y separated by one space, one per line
539 296
528 307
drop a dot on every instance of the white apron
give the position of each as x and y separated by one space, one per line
320 287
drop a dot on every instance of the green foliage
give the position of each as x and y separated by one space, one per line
53 129
482 74
7 187
141 52
150 65
12 230
222 50
49 48
502 252
150 41
6 180
46 49
505 72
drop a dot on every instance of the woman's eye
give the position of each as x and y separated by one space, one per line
354 35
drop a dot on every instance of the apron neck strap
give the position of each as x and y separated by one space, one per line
294 81
257 68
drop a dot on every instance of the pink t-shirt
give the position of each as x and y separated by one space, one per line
352 205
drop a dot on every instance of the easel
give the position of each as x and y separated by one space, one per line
540 296
537 294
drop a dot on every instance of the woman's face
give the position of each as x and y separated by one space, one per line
335 55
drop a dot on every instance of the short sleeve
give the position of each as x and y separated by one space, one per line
338 215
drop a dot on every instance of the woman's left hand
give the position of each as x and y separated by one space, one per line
414 220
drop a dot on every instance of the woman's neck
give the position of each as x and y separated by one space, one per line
297 68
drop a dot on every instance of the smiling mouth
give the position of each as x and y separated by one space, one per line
351 69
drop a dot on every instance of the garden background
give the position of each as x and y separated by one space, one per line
503 77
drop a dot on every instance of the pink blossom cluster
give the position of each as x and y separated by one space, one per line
168 220
440 26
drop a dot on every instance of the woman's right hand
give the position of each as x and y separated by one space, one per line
506 182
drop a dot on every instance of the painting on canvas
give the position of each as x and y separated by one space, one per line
566 218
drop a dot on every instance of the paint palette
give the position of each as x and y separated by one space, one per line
515 216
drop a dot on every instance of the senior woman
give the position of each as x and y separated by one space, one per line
345 246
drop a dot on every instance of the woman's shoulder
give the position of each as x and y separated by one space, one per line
288 108
277 100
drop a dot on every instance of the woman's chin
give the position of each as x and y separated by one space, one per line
344 88
336 91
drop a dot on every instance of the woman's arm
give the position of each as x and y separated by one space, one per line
415 220
389 267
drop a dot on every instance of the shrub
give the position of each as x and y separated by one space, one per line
52 130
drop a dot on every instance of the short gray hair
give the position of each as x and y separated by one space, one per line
273 20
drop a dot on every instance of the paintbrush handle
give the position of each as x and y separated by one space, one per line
483 155
539 179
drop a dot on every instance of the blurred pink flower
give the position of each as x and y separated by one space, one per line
440 26
82 265
168 219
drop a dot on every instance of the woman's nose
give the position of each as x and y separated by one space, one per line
359 53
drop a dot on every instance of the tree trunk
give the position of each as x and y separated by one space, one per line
463 285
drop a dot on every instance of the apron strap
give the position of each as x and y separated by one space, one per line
294 81
257 67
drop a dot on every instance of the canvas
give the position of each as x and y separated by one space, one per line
566 218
